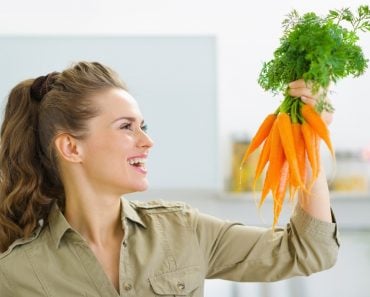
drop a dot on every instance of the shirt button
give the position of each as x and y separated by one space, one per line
125 244
127 287
181 285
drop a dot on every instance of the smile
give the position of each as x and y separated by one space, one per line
138 164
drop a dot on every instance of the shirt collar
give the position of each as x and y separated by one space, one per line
59 225
130 212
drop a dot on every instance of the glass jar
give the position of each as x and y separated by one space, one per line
242 178
351 174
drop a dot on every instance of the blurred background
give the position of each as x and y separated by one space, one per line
193 67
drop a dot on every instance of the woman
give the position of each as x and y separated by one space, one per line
72 144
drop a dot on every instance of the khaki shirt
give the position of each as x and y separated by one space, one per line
169 249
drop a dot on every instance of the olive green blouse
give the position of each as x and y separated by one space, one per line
169 249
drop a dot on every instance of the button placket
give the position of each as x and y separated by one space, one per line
126 283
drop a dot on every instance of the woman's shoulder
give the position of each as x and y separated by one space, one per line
15 252
158 204
170 212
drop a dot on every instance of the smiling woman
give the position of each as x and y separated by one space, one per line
72 144
113 153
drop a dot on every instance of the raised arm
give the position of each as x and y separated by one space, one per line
317 201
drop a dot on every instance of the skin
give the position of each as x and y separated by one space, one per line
317 203
95 173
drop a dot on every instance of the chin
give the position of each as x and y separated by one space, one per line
141 189
136 188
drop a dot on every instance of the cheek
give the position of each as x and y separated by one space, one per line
108 146
100 144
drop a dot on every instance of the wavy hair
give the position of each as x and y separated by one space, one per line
29 177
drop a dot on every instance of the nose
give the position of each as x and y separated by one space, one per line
145 140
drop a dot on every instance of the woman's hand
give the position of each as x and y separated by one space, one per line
301 89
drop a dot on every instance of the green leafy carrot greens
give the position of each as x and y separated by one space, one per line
320 50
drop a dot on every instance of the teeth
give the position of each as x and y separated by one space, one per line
137 161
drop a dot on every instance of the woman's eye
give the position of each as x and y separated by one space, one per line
144 128
126 126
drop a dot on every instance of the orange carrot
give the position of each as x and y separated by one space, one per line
310 144
286 134
300 150
276 161
266 187
280 191
317 124
277 156
301 158
263 159
285 149
261 134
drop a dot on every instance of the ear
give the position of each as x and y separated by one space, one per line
68 148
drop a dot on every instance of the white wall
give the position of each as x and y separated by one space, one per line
247 33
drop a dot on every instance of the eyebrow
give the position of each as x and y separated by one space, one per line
131 119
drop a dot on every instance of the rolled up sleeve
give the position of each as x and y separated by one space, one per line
236 252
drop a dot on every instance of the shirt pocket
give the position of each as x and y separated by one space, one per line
183 282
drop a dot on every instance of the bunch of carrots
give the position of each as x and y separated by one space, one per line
319 50
290 142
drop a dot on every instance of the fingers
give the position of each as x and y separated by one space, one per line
299 92
303 90
300 83
308 100
300 88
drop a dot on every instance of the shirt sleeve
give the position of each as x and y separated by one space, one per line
241 253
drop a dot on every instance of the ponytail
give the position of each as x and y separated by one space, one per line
22 202
36 111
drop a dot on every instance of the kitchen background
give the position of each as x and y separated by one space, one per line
193 67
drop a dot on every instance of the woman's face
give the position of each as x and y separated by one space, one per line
116 148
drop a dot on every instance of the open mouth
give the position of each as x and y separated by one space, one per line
138 163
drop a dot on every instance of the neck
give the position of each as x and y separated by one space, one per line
95 217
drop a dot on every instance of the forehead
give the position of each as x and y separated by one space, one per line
117 102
